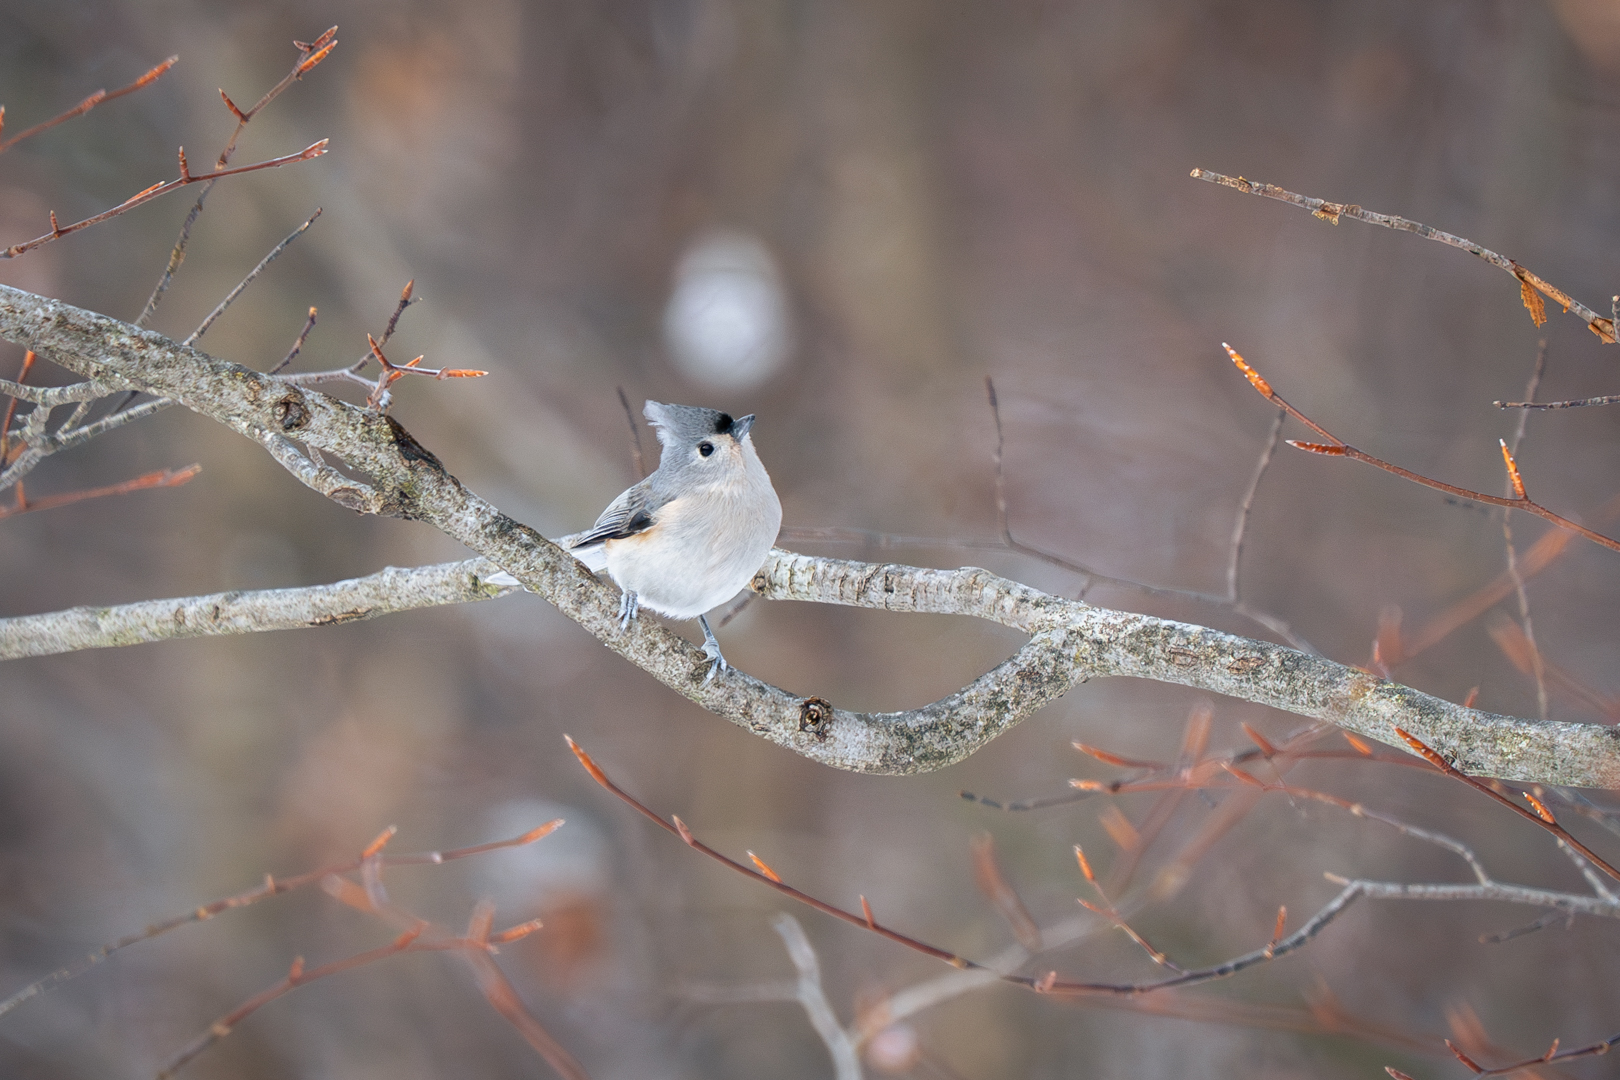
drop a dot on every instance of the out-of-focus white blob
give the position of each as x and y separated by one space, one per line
572 862
894 1050
727 324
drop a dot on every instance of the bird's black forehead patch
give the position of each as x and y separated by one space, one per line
722 423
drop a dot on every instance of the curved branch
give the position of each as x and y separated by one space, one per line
1069 641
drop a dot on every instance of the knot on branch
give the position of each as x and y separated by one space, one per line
815 716
291 412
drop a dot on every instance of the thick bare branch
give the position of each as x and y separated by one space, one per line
390 590
1070 642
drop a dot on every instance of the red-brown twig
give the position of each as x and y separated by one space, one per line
1540 555
1521 651
271 887
418 935
1337 447
1555 1056
1160 776
678 828
86 105
1046 984
503 998
163 478
156 191
309 54
1529 284
475 946
1195 740
993 883
392 372
1536 811
296 976
376 389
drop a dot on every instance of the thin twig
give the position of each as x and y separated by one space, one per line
419 935
1009 543
1000 892
271 887
1607 399
1240 527
310 54
298 344
635 435
245 282
1047 984
391 372
163 478
1596 1049
1331 212
1337 447
314 150
39 445
1540 815
297 976
1538 667
87 104
11 406
352 372
406 299
1001 478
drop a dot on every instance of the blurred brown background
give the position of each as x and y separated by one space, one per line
927 194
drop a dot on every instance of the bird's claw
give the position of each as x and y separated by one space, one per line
629 605
711 649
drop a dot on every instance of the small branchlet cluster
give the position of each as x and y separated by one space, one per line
1233 783
358 884
28 439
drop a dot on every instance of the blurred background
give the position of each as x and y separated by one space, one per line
842 216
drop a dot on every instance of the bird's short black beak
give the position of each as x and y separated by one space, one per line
740 426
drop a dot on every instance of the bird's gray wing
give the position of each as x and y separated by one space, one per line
629 514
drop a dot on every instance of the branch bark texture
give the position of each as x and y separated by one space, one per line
248 611
1069 642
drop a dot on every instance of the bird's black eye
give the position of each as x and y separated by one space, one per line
705 448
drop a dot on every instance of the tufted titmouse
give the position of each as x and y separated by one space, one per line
690 536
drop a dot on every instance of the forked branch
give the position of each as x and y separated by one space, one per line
1069 642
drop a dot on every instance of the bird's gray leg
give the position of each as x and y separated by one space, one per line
711 649
629 605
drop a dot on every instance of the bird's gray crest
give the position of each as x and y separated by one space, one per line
684 425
